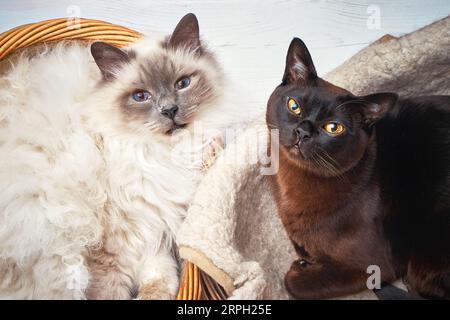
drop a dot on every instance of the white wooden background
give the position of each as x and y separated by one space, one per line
249 36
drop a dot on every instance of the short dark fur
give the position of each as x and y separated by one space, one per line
377 194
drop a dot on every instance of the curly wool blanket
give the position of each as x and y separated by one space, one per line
232 230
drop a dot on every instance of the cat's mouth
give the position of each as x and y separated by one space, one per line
175 127
296 150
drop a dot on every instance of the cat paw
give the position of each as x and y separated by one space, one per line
156 290
212 152
294 280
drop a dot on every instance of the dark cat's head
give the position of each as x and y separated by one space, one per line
157 85
322 128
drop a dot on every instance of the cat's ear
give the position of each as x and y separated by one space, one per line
108 58
299 65
374 106
186 34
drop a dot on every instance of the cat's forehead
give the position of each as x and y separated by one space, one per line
313 98
164 67
158 69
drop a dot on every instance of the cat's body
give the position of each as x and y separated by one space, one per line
413 161
91 191
374 192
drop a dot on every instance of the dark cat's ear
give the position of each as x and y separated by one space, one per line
299 65
186 33
108 58
374 106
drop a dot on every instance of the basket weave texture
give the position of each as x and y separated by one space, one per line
64 29
195 284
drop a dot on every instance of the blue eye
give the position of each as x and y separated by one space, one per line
141 95
183 83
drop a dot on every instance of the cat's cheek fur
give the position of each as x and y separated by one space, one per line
357 149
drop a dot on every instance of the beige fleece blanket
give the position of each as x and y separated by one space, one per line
232 230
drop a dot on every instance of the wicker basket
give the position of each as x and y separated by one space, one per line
195 284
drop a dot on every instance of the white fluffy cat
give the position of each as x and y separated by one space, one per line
91 191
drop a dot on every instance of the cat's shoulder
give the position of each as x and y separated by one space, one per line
429 100
41 51
420 106
50 74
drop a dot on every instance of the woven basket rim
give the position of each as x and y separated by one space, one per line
68 28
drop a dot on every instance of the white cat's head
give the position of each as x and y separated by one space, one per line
158 86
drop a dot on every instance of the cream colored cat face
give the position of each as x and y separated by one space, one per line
161 90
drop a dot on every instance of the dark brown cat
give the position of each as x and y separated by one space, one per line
362 181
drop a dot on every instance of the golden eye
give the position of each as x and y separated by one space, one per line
333 128
293 106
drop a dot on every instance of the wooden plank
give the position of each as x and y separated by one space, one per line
251 37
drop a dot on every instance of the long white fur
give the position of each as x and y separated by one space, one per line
86 210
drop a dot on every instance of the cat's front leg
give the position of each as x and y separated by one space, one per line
323 280
158 279
429 279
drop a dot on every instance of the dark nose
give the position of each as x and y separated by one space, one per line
169 112
304 131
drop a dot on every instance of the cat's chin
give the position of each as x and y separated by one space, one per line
295 151
295 155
